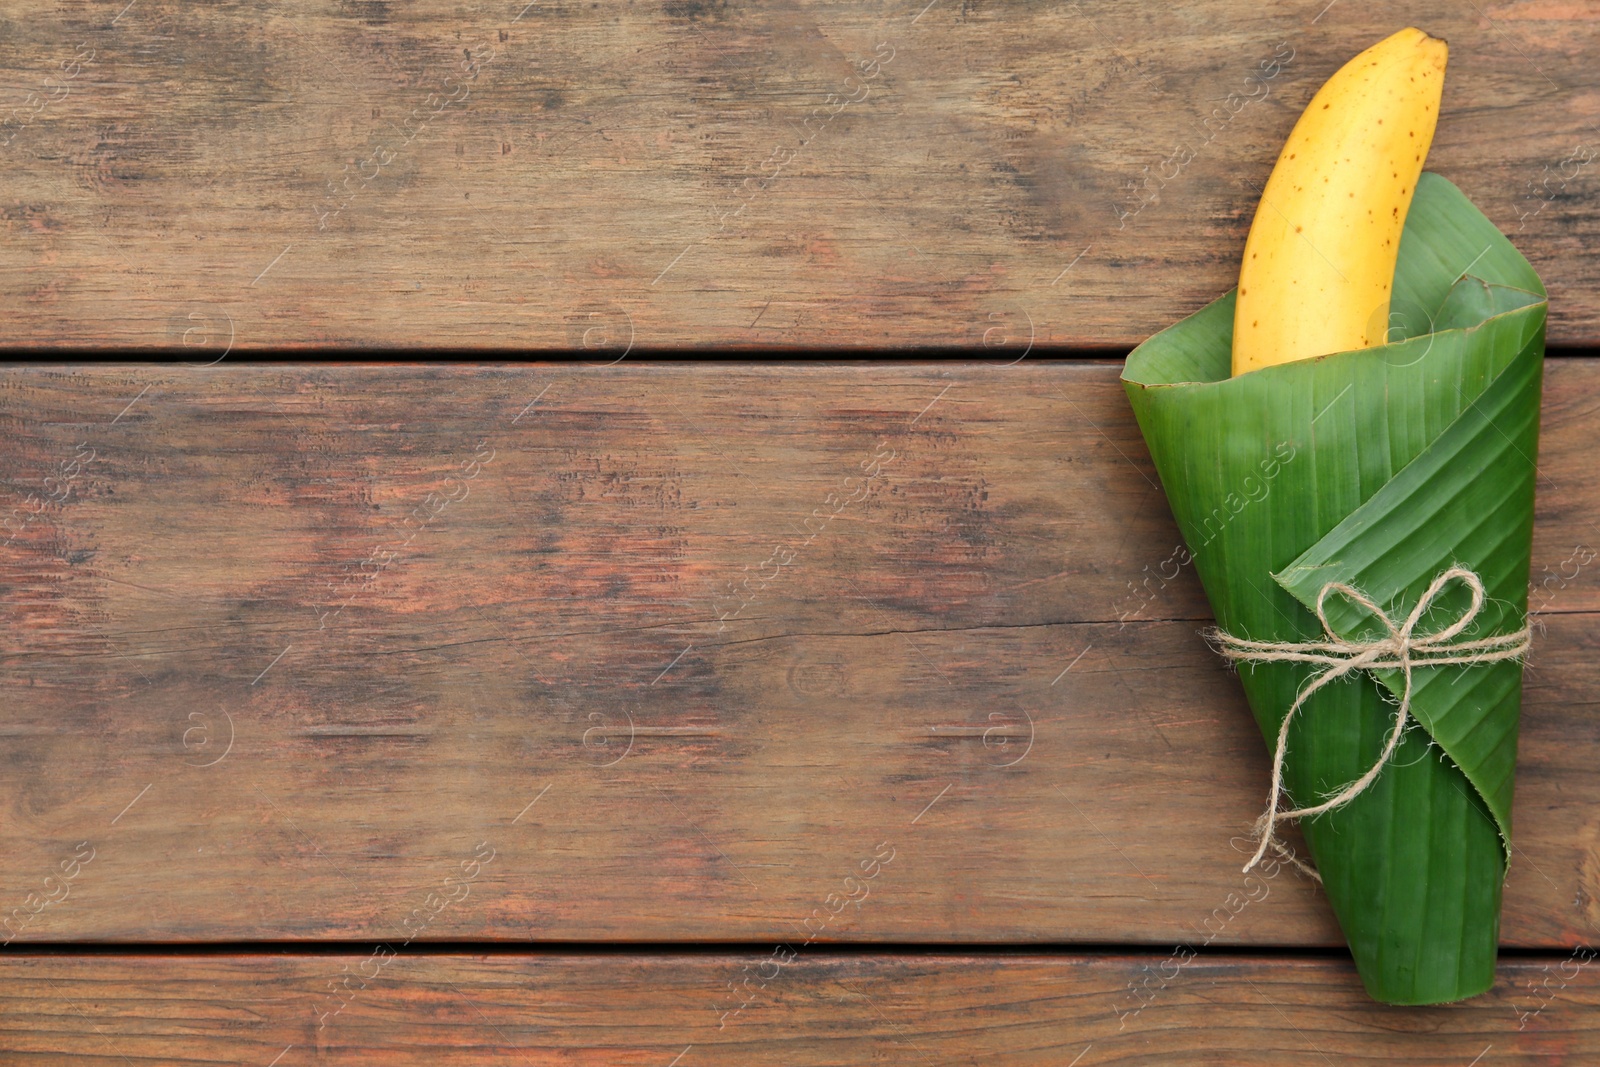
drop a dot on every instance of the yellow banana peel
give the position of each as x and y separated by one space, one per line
1319 262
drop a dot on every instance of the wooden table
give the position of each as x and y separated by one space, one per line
670 713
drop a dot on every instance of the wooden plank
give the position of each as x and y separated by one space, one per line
792 1009
258 737
700 174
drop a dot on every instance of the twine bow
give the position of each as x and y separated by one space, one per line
1402 649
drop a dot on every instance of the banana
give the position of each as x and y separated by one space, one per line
1319 261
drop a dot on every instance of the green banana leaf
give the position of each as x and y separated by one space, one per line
1379 468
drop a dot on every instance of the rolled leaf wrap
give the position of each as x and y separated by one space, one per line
1379 468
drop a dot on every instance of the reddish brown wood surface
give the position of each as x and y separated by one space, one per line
803 1011
656 658
698 173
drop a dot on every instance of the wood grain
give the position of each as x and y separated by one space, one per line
656 658
1090 1011
700 174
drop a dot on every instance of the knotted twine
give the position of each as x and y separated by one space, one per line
1402 649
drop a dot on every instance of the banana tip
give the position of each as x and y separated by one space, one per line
1429 39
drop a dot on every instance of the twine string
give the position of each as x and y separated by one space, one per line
1401 648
